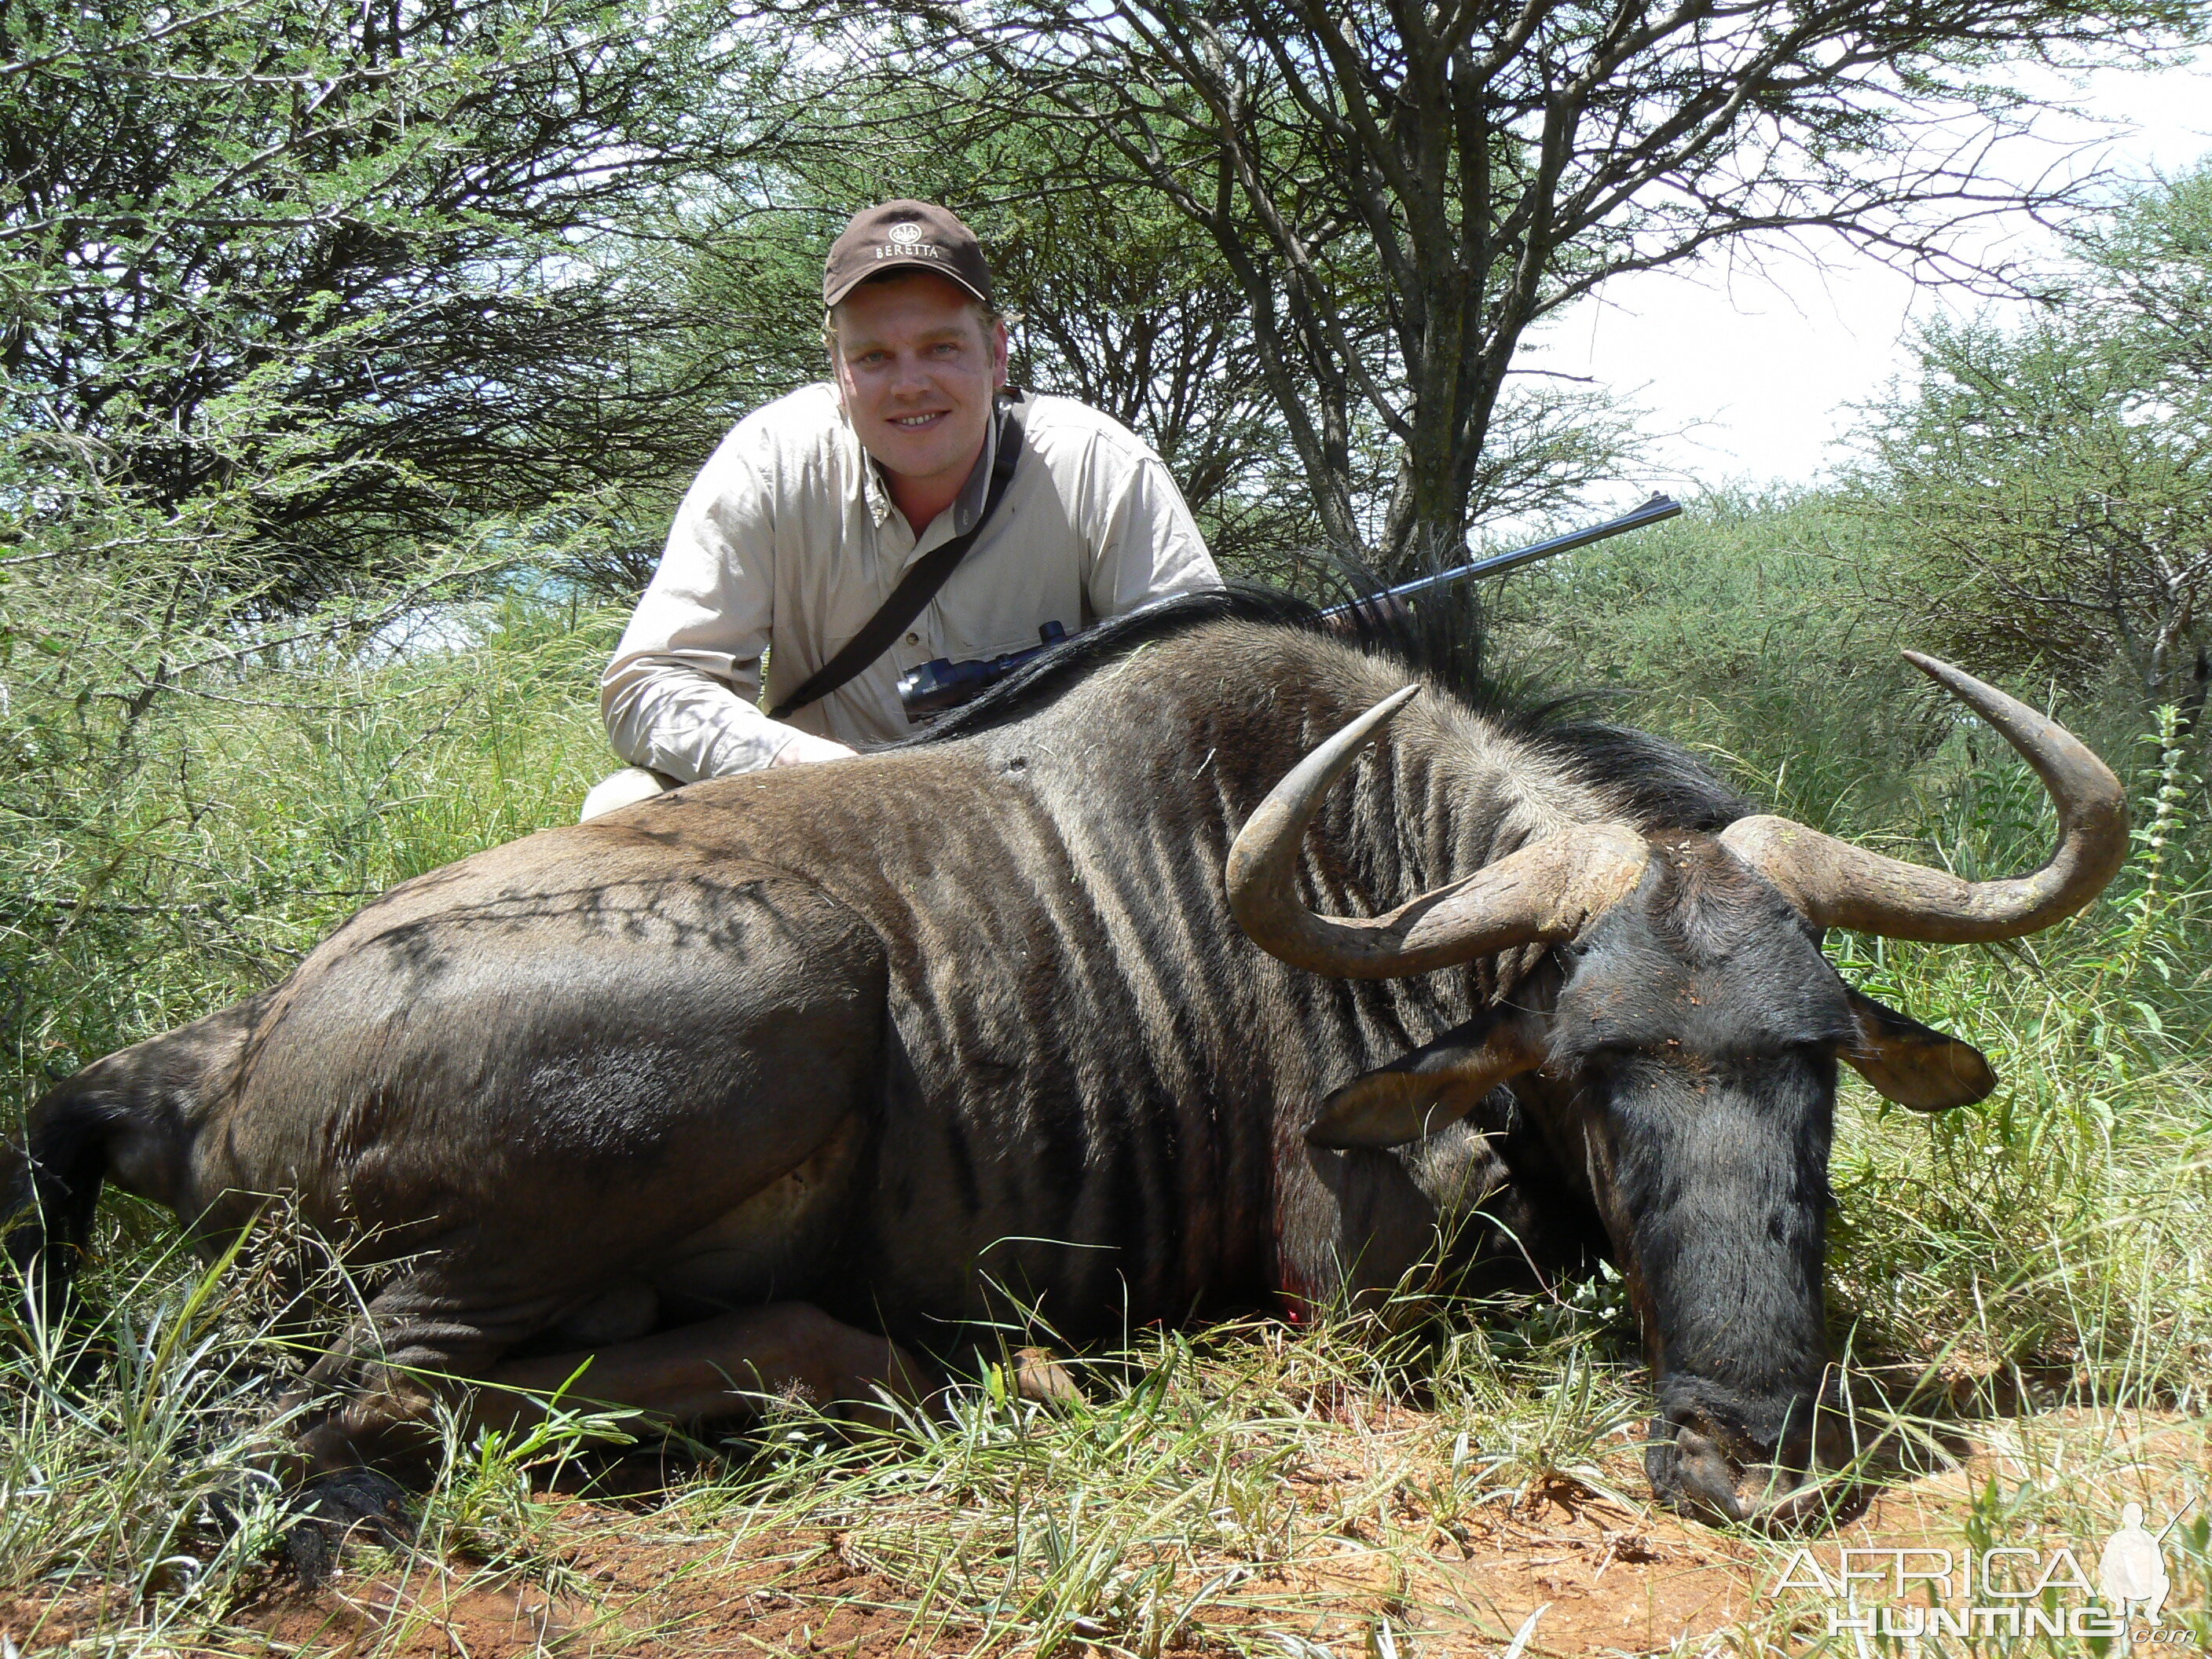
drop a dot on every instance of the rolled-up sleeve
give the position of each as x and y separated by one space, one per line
682 694
1149 546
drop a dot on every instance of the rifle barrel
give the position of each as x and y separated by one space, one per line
1654 511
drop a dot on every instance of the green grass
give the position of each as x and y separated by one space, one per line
146 880
2033 1273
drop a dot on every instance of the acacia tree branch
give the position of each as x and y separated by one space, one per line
1401 190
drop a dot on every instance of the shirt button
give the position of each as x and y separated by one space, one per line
914 639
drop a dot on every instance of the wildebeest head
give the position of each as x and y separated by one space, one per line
1678 1044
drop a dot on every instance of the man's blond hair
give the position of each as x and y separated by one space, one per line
985 315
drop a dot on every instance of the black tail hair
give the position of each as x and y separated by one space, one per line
47 1198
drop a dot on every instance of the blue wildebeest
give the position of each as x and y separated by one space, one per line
1110 994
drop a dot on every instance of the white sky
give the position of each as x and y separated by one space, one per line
1755 374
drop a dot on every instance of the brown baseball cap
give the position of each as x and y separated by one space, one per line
916 235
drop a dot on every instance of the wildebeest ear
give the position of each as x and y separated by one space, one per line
1437 1084
1909 1064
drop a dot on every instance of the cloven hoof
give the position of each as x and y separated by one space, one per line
338 1510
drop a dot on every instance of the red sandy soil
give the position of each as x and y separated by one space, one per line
1609 1578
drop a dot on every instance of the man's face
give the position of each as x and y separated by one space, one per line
917 370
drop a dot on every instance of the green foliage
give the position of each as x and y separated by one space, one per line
2045 487
1739 628
290 288
1400 196
148 876
317 326
123 1486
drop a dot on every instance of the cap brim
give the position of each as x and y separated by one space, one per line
934 267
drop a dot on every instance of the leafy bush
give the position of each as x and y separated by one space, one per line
2046 486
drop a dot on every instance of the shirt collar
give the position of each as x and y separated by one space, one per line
968 505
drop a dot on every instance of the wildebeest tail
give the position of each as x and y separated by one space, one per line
128 1118
49 1186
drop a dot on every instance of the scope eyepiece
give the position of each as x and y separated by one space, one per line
941 683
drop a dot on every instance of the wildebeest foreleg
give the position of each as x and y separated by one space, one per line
724 1367
372 1398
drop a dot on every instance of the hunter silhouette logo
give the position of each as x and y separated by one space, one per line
2132 1571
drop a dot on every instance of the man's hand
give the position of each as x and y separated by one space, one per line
804 749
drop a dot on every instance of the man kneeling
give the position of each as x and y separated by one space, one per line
819 508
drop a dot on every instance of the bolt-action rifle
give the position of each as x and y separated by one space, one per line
944 683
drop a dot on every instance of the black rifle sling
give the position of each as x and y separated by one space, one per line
917 588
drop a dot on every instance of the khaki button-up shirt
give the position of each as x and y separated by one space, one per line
789 538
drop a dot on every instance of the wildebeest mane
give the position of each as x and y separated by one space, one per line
1658 783
1443 636
1440 642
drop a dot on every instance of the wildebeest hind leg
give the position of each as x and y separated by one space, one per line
723 1367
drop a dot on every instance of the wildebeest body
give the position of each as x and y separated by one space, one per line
1007 958
925 1035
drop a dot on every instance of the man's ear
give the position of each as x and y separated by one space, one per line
1436 1085
1906 1062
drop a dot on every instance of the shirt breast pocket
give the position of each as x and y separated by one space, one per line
1003 644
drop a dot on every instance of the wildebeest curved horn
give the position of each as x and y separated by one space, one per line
1546 891
1835 885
